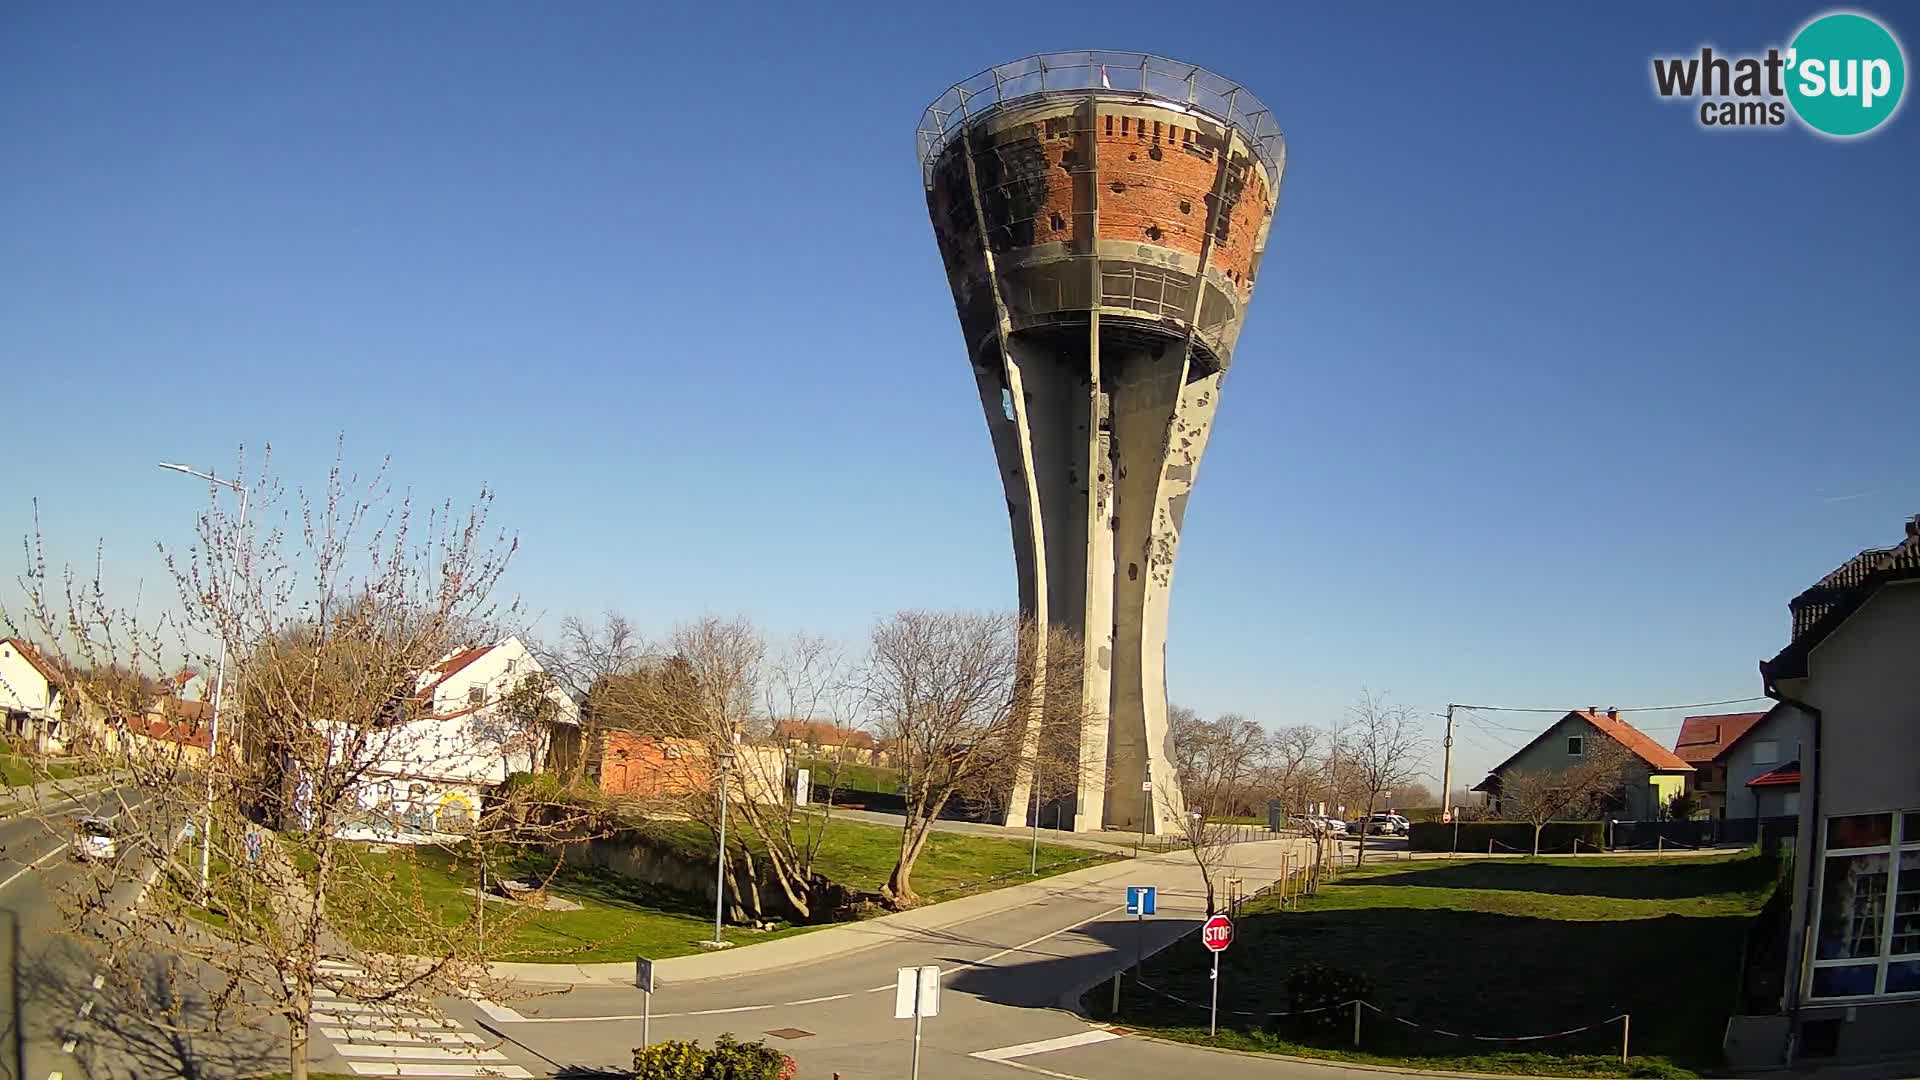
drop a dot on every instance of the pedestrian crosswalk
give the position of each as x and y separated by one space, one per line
402 1038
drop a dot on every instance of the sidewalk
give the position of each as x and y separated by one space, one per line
1102 882
1118 843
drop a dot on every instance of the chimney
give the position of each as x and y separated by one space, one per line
1613 713
1593 709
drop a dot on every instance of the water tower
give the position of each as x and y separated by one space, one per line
1101 217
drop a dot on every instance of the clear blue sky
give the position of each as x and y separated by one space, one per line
1547 397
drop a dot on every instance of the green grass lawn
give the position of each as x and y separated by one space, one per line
1489 948
622 917
18 770
850 777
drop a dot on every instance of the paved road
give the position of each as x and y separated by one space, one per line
76 1008
1005 976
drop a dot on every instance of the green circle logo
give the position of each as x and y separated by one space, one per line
1845 74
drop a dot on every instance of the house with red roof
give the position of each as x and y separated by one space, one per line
1730 752
34 703
462 732
1650 779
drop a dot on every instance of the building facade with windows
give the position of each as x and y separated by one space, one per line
1730 752
1650 775
1853 667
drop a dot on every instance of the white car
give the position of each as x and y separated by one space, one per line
94 841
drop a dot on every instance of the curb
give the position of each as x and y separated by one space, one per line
1331 1063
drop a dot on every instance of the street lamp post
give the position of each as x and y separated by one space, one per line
720 864
219 676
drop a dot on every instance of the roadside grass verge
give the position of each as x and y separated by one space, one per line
622 917
1490 947
20 770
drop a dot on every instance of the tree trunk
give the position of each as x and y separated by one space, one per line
297 1048
1536 836
913 837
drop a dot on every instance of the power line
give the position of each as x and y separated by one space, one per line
1633 708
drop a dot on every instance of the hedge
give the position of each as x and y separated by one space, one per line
1509 836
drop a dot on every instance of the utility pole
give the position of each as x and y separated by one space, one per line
220 672
720 864
1446 769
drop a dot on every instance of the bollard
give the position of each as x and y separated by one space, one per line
1356 1021
1660 844
1114 1009
1626 1022
1489 845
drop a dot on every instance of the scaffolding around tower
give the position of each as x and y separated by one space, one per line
1102 217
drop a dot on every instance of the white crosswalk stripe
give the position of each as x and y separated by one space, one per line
404 1037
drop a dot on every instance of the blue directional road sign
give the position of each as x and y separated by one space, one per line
1140 899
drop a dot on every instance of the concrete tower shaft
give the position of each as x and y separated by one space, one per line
1101 218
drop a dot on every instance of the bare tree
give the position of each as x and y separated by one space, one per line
334 611
1215 760
1537 796
960 699
1290 765
585 660
717 703
1384 747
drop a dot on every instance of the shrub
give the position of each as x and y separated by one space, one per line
730 1059
672 1060
1317 986
1511 836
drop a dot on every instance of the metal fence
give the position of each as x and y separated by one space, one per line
1141 75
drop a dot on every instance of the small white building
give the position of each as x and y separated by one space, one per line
33 700
467 727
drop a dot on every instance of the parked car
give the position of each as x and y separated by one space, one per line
1383 824
1333 824
94 840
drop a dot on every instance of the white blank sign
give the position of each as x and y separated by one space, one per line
916 992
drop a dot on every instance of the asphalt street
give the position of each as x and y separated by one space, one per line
1004 977
75 1005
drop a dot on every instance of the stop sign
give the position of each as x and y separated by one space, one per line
1217 934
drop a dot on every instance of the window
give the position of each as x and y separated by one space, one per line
1766 752
477 696
1576 745
1790 805
1867 925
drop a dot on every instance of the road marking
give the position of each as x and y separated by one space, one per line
359 1008
517 1018
818 1000
1024 1067
402 1068
34 863
86 1008
385 1021
67 1047
99 981
1065 1042
421 1053
396 1036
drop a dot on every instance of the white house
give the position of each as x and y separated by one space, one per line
461 735
32 699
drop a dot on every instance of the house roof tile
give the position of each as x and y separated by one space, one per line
1636 742
1704 738
1784 776
40 663
1819 611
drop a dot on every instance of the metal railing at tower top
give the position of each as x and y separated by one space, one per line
1121 75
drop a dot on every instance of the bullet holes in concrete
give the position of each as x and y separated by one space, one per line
1133 571
1154 233
1154 150
1117 187
1186 207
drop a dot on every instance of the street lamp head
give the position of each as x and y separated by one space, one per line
176 467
